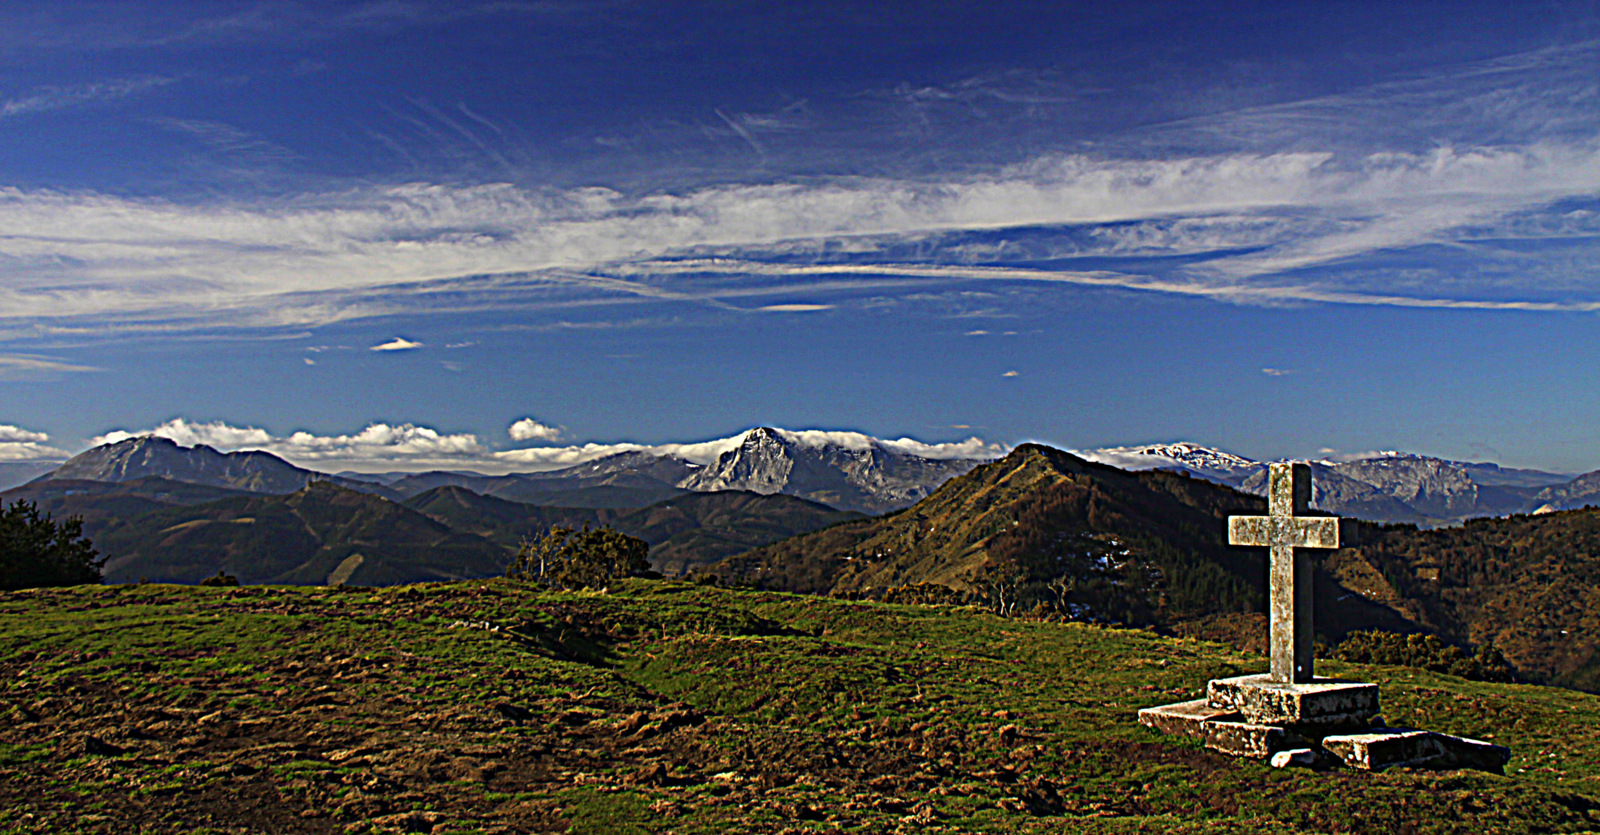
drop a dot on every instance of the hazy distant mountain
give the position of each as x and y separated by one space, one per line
1335 492
155 457
634 481
13 473
1583 491
1390 487
1494 475
1435 487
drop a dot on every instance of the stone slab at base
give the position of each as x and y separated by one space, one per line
1323 702
1220 730
1390 747
1246 739
1183 718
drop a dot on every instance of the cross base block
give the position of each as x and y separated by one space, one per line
1323 703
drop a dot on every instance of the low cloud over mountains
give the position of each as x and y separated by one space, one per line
382 446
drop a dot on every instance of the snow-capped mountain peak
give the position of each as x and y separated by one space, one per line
1211 463
844 469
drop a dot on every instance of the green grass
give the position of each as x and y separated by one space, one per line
590 812
667 706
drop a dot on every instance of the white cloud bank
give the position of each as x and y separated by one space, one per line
382 446
18 444
186 433
405 446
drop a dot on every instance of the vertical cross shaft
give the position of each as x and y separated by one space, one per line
1289 579
1283 530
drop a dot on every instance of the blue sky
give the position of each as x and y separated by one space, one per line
1276 228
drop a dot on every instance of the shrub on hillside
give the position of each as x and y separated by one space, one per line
925 594
570 559
1425 652
36 551
221 580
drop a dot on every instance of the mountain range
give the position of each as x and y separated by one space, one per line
1384 487
844 470
854 472
164 512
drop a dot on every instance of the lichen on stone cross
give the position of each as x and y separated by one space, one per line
1283 530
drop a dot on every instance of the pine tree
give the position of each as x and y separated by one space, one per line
36 551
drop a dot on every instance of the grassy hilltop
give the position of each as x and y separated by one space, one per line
667 707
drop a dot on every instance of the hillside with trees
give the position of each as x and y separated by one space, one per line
1042 530
1527 584
1039 527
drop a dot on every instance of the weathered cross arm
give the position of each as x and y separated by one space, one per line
1299 532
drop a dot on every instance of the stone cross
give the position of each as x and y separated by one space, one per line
1284 529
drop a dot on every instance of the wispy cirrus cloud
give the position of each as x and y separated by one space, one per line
140 26
450 249
44 99
797 307
36 367
1236 224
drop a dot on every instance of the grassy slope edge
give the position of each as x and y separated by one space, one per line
486 707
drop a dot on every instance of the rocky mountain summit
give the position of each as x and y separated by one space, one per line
846 470
866 475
